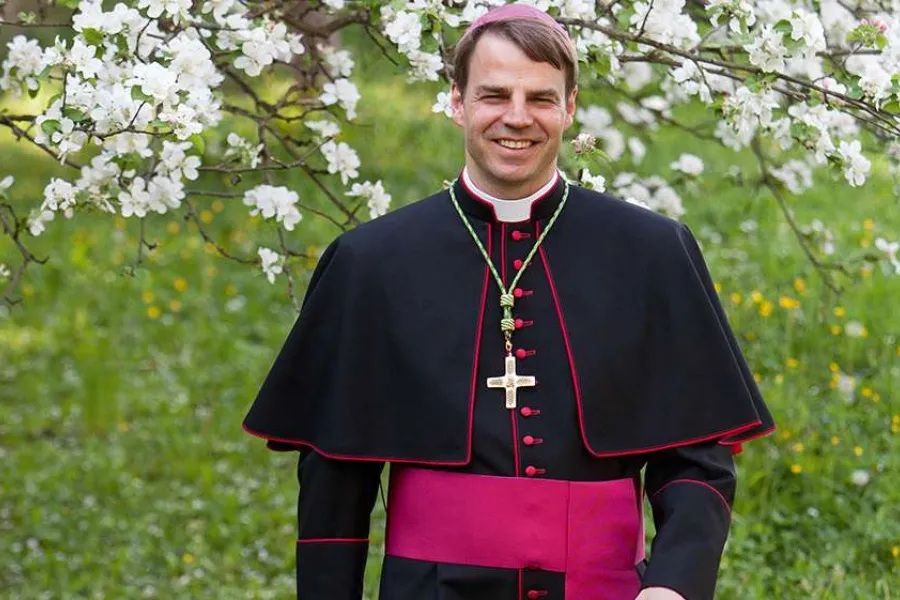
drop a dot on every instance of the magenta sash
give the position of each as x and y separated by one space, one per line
591 531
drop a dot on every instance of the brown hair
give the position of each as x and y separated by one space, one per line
540 41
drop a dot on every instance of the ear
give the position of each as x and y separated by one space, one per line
456 104
570 107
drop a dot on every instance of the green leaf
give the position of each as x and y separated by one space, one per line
892 107
199 143
137 94
74 114
92 36
603 64
784 26
50 126
881 41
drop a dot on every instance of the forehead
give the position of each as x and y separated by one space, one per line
496 61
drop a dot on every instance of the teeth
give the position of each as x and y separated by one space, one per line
514 144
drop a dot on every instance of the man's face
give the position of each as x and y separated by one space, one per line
513 113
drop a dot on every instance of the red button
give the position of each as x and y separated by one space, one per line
533 595
517 264
520 323
521 353
525 411
528 440
530 471
518 292
516 235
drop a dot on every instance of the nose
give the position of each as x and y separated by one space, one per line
517 114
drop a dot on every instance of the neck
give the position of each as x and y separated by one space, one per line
509 210
489 192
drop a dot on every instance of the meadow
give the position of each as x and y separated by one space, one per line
126 473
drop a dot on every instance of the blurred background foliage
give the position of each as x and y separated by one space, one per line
125 470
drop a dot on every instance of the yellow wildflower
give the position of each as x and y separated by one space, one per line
218 206
757 377
756 296
835 440
209 248
895 551
866 392
123 426
792 363
206 216
800 285
173 227
153 312
181 284
834 367
858 451
788 302
188 558
779 379
230 289
869 224
766 308
840 311
796 469
718 287
174 305
736 298
799 447
786 434
148 296
876 397
835 330
211 271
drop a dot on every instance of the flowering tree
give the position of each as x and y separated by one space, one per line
132 92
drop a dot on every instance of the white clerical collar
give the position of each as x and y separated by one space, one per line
509 211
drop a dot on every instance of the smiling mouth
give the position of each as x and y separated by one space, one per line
515 144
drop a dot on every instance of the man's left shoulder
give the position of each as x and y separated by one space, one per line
604 216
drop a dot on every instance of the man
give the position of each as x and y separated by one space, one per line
519 349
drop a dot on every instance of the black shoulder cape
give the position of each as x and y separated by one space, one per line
381 362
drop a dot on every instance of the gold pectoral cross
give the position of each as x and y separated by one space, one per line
511 381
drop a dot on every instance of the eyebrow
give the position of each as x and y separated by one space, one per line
484 90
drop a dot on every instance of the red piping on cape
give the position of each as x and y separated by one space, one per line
512 413
490 205
324 540
474 388
696 482
577 387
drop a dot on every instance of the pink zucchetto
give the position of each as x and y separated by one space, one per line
514 11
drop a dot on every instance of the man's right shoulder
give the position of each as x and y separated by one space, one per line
404 227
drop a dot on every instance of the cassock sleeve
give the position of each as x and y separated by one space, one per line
691 491
333 513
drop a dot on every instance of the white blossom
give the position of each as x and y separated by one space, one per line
338 62
767 51
664 21
795 175
594 182
806 26
425 66
176 162
324 129
4 271
856 166
341 159
376 198
689 164
442 104
135 200
26 57
6 182
271 201
860 477
403 28
854 329
890 249
271 262
342 92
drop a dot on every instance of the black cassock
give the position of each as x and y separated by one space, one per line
616 317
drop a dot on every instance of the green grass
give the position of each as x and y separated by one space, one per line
126 473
